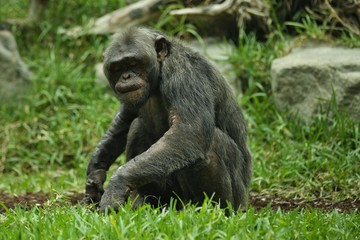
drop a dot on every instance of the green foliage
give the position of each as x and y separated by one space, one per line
204 222
292 159
47 139
175 26
319 159
335 17
60 13
45 128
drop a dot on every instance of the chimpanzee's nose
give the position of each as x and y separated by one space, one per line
126 76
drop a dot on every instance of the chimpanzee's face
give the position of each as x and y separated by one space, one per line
131 72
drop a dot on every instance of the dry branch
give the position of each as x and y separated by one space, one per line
134 14
211 10
246 12
347 14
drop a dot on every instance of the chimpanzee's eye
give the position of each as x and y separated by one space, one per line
132 64
115 66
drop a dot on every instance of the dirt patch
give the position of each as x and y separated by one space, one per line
258 201
29 200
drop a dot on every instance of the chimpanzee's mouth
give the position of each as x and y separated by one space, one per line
125 87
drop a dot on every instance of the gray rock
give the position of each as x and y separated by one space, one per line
14 77
308 78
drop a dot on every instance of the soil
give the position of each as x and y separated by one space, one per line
257 201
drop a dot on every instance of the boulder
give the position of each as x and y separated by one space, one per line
305 81
15 75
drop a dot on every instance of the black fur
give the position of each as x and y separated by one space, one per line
182 129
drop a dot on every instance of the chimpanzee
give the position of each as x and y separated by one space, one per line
179 124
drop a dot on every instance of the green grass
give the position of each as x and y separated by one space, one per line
47 139
203 222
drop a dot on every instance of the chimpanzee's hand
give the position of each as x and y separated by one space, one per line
115 194
94 187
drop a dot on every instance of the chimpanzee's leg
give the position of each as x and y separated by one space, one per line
138 140
218 176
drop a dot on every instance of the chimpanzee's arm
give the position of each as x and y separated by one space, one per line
110 147
181 146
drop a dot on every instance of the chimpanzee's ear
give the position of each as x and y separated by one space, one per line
162 46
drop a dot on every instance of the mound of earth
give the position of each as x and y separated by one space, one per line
257 201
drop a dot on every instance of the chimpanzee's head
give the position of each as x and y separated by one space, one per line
132 64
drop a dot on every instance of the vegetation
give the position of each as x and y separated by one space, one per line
47 139
146 223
